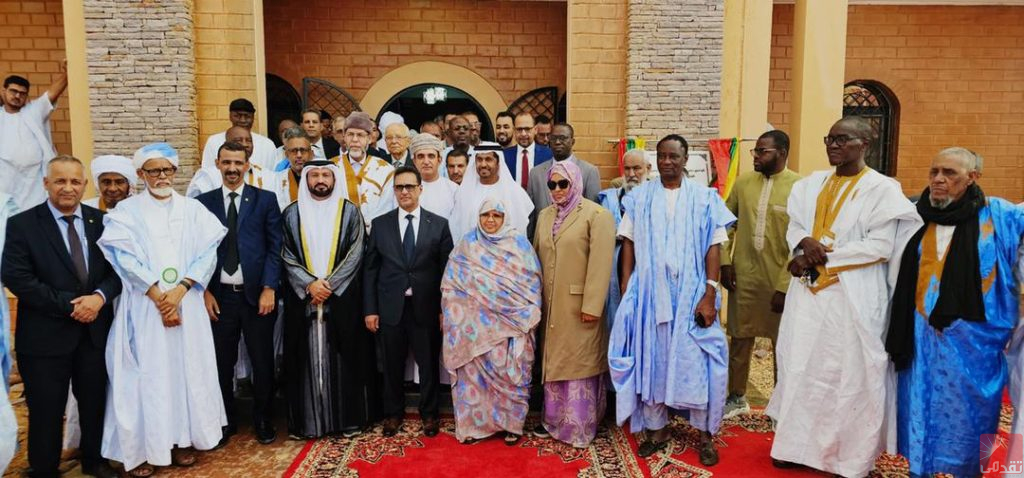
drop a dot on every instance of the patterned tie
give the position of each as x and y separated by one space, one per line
409 241
231 256
77 253
524 172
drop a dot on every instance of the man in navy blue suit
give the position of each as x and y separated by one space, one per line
241 296
527 153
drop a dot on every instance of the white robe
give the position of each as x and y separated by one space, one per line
208 179
163 381
264 151
835 399
25 147
8 422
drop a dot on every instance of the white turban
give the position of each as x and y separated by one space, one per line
113 164
387 119
152 151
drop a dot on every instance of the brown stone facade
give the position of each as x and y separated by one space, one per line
957 72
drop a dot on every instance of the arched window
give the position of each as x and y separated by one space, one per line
876 102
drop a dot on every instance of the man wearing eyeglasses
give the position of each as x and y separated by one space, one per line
562 141
754 260
367 178
25 140
847 229
402 297
526 154
162 361
285 183
396 137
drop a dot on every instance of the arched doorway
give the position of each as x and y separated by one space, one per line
283 102
425 101
877 103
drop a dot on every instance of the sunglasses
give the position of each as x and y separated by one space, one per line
563 184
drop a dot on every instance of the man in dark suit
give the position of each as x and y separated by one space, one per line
241 296
65 289
405 258
526 154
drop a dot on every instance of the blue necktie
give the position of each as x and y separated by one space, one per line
409 241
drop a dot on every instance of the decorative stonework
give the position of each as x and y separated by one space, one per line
675 71
142 77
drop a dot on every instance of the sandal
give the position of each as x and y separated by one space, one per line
183 457
144 470
470 441
650 447
511 438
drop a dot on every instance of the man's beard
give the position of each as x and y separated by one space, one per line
503 140
321 193
940 203
629 185
356 153
160 192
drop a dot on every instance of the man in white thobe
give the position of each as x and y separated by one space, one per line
371 188
847 230
115 180
25 141
241 112
164 397
488 176
438 194
209 178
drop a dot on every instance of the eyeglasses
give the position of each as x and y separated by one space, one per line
298 150
839 140
405 187
562 184
156 173
760 151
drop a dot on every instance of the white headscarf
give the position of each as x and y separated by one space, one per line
114 164
152 151
387 119
317 218
471 194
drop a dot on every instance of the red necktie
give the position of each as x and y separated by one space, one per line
524 172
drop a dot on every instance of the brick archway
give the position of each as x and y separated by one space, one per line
421 72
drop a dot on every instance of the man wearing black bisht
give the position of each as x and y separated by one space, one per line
330 376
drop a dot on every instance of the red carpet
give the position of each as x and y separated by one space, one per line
743 444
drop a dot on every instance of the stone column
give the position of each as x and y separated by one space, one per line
141 68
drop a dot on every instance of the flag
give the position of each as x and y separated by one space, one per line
725 157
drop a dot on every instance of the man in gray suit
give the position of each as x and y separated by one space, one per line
561 142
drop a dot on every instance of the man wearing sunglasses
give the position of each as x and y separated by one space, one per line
25 141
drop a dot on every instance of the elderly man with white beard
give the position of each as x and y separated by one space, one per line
164 400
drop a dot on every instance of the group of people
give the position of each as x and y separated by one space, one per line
501 268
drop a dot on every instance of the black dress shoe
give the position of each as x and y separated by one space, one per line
431 426
785 465
391 426
102 470
265 433
226 432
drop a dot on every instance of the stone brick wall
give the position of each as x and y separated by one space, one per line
956 70
675 70
516 46
32 45
142 77
225 62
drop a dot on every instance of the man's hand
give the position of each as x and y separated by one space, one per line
706 307
372 323
159 299
798 265
778 302
728 277
174 295
267 301
814 251
172 319
212 308
87 307
584 317
319 291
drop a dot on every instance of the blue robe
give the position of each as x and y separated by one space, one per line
657 354
609 199
952 392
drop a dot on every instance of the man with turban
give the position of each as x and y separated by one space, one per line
115 180
488 176
164 394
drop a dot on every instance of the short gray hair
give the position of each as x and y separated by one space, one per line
971 160
294 132
63 158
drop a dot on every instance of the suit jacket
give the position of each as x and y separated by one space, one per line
538 191
543 154
37 268
259 239
386 274
331 147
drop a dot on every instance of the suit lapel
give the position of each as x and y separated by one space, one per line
92 221
52 233
425 225
218 207
569 220
245 203
395 234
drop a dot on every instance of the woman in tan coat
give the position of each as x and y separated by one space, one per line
575 240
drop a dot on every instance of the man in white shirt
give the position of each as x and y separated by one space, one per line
314 131
209 178
397 138
438 193
241 112
25 141
527 154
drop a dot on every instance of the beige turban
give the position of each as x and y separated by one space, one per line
425 141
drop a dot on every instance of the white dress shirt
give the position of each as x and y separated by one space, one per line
531 156
403 223
236 278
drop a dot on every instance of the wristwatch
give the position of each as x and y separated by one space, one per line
711 283
186 284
